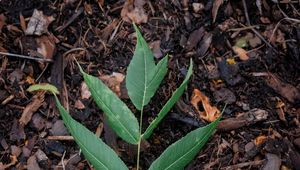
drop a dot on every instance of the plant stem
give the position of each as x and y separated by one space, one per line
140 140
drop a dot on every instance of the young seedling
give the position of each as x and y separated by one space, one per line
142 81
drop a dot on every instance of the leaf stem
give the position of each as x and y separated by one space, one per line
140 140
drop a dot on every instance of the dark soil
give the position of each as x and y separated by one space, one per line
103 43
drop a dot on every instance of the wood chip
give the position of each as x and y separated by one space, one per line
32 107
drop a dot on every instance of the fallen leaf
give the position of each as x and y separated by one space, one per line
210 113
260 140
204 44
194 38
241 53
38 23
32 163
32 107
22 22
13 161
113 81
286 90
224 95
79 105
85 93
155 47
133 11
46 46
273 162
216 6
230 61
88 8
2 21
280 109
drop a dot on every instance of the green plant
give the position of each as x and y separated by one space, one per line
142 81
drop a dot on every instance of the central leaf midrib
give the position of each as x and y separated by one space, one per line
201 140
96 96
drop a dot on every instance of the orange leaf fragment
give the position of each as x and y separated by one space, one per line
210 113
260 140
241 53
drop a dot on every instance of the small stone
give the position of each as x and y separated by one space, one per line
59 129
16 151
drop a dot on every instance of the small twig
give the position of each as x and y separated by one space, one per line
80 10
244 164
254 30
26 57
66 138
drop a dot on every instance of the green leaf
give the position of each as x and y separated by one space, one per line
119 116
180 153
143 76
43 86
168 106
93 148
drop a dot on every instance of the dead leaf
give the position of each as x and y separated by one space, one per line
46 46
37 102
2 21
210 113
32 163
194 38
13 161
273 162
204 44
155 47
241 53
260 140
38 23
85 93
216 6
22 22
280 109
79 105
286 90
113 81
88 8
133 11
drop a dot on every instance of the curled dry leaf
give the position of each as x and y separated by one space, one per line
85 93
133 11
32 107
241 53
260 140
38 23
113 81
280 109
210 113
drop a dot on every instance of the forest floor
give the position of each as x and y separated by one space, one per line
246 54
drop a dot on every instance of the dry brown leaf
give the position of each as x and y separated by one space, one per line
288 91
2 21
22 22
280 109
88 8
113 81
85 93
210 113
46 46
216 6
13 161
260 140
133 11
79 105
38 23
32 107
241 53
